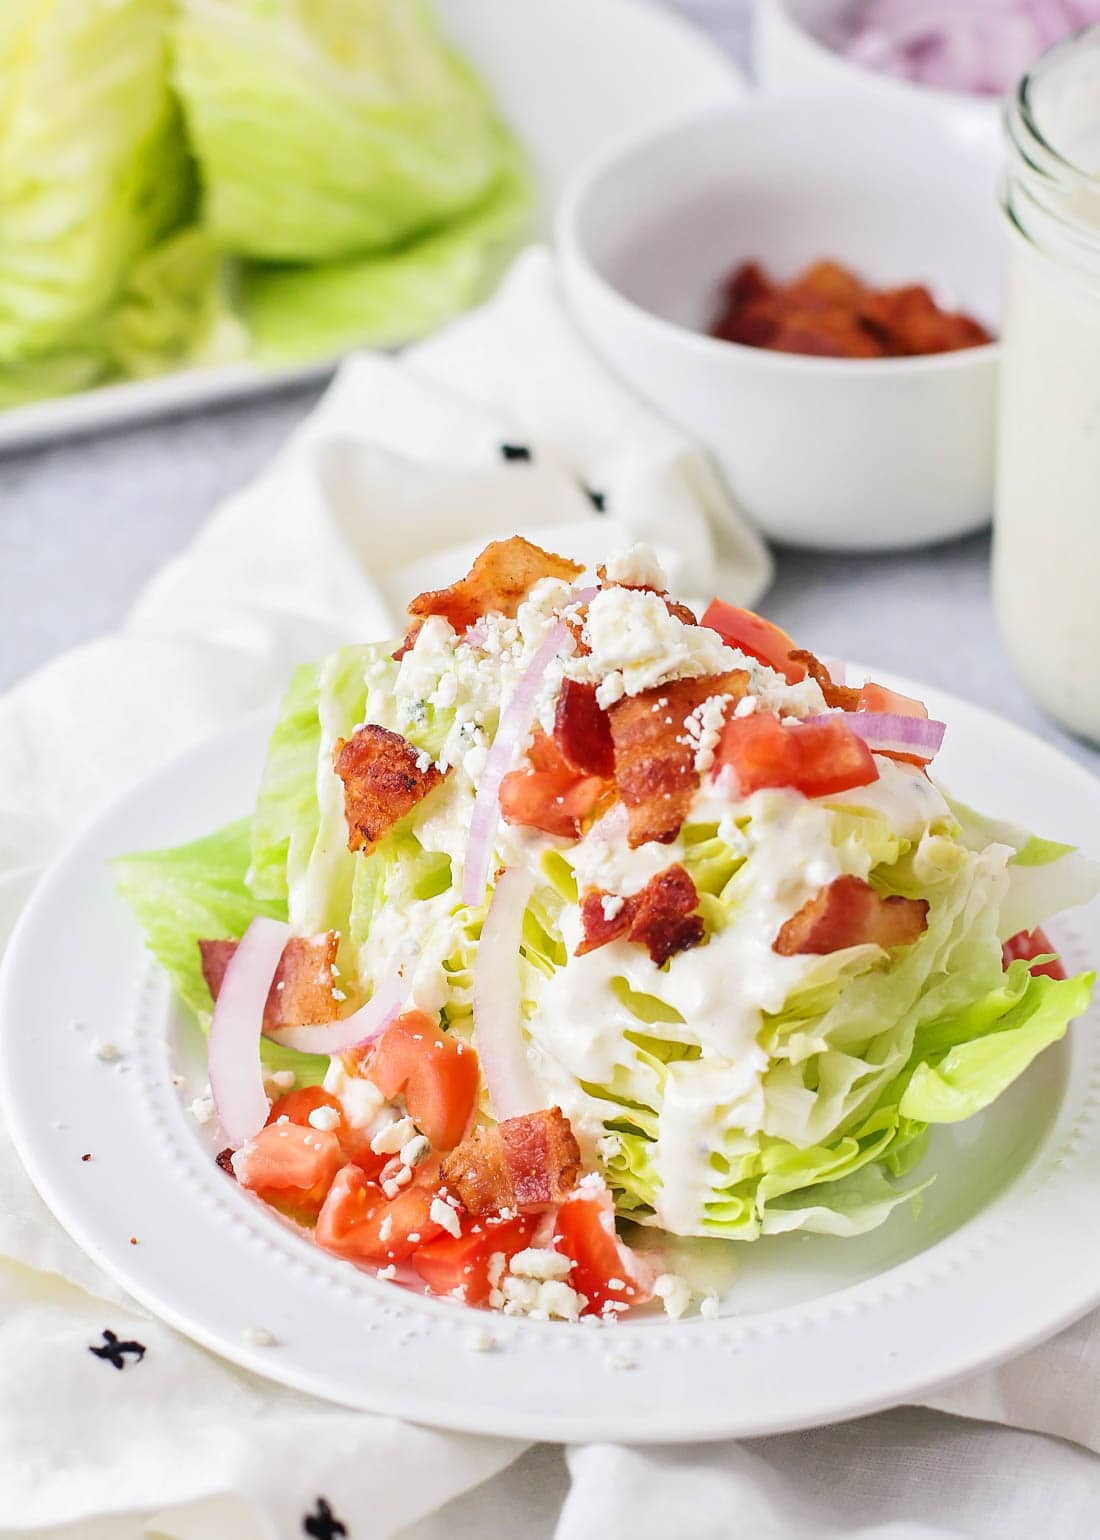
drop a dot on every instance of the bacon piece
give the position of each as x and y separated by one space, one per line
525 1163
850 913
582 731
301 991
835 694
382 782
661 917
654 758
499 581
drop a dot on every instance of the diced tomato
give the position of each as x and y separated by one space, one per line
582 730
556 801
359 1221
459 1265
876 697
297 1106
290 1166
585 1232
756 636
816 758
438 1074
1027 944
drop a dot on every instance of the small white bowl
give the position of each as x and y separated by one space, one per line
793 52
857 454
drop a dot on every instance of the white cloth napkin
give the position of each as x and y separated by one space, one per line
396 478
392 485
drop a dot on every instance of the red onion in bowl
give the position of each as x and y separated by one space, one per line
233 1057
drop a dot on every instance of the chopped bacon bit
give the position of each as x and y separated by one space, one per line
382 782
409 643
835 694
499 581
661 917
224 1161
654 758
582 730
301 991
850 913
525 1163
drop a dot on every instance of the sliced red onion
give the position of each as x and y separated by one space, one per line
515 723
498 1011
361 1027
889 734
233 1056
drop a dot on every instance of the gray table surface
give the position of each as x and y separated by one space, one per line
84 524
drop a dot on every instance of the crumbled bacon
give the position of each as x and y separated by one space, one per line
661 917
835 694
582 730
850 913
525 1163
654 757
498 582
383 780
301 992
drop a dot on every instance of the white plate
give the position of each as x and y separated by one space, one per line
570 76
1004 1250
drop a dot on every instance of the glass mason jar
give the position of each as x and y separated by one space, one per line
1046 546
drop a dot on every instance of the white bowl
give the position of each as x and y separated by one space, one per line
793 52
859 454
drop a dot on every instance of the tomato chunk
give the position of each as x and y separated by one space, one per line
437 1073
1027 944
758 637
357 1220
298 1105
290 1167
604 1270
459 1265
555 801
816 758
876 697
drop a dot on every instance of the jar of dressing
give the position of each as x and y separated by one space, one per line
1046 545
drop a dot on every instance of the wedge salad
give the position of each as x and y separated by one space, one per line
572 910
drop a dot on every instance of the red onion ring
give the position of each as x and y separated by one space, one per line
233 1056
498 1016
361 1027
890 734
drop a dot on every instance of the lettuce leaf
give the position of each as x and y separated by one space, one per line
307 311
95 168
329 129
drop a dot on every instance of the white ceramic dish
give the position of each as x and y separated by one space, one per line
792 53
620 65
1001 1253
861 454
